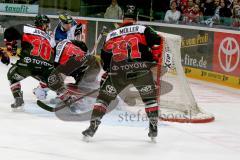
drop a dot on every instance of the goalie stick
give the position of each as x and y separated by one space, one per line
52 109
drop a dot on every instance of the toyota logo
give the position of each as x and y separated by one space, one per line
115 68
27 60
52 79
229 48
110 89
146 89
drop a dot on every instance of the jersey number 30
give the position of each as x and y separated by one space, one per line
41 47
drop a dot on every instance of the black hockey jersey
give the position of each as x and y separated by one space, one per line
131 43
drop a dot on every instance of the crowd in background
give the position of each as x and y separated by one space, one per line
206 12
223 12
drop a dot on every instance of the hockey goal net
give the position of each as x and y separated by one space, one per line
177 103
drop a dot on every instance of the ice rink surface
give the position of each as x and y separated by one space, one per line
39 135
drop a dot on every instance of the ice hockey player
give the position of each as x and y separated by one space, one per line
126 56
69 57
67 28
4 57
36 57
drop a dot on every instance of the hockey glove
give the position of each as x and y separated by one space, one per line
4 57
78 30
11 47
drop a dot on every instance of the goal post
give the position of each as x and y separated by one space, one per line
179 104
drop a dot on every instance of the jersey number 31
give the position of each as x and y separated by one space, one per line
125 49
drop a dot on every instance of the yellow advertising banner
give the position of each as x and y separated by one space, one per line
214 77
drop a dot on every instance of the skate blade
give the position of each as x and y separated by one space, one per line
19 109
153 140
86 139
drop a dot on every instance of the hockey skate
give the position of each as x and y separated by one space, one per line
153 129
91 130
17 106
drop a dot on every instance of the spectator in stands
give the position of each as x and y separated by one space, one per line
200 4
216 16
194 16
224 11
209 8
212 12
197 14
228 3
217 6
113 11
182 5
235 2
236 16
172 15
190 6
189 14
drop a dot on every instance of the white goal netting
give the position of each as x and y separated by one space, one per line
176 100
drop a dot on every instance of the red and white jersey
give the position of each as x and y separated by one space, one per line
36 44
134 43
67 49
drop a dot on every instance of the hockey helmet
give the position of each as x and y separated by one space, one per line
130 12
65 18
40 20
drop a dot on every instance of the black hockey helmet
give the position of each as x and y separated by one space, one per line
65 18
130 12
80 44
40 20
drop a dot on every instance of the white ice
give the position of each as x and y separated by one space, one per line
39 135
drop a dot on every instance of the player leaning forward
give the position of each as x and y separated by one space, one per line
128 46
37 58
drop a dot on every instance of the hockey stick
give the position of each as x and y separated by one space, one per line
51 109
98 40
